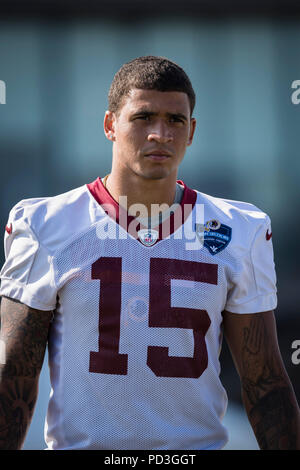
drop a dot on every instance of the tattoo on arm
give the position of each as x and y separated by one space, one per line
268 396
24 333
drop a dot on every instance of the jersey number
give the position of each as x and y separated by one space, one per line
108 360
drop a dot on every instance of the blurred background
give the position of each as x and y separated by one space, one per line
57 60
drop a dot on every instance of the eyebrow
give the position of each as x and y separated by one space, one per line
152 113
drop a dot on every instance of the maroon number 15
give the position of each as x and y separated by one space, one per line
108 360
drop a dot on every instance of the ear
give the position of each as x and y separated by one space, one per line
192 131
109 125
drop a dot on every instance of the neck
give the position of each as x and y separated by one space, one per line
149 193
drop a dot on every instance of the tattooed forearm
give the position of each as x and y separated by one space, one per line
274 420
17 400
24 333
259 369
268 396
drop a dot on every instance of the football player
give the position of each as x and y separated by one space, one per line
131 280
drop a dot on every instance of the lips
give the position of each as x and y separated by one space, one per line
157 157
156 154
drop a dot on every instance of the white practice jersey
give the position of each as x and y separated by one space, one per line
135 340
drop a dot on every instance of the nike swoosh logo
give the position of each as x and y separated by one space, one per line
8 229
268 235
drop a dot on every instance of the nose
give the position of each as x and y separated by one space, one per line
161 133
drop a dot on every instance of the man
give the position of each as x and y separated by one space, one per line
132 279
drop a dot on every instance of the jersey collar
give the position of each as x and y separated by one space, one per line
130 223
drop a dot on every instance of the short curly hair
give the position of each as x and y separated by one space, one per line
149 73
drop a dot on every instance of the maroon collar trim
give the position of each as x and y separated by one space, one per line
130 223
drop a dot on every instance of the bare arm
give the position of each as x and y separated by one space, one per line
24 333
267 392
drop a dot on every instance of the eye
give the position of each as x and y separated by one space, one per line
176 119
143 117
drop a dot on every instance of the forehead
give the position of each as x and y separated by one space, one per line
156 101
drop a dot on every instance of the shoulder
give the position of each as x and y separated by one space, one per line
234 211
54 219
246 220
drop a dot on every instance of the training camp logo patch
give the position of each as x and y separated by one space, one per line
216 236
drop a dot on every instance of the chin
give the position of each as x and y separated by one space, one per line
155 174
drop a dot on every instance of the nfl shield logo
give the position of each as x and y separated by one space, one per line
148 236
